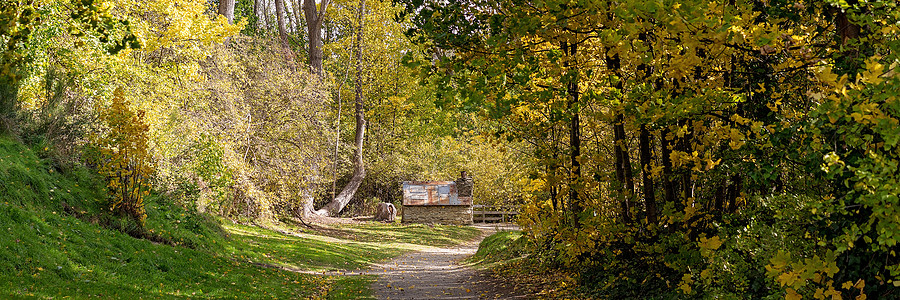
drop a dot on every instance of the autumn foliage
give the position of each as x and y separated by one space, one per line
122 157
691 149
658 148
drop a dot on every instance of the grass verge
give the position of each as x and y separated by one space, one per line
55 241
499 249
506 256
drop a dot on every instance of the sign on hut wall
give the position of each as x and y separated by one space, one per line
426 193
438 202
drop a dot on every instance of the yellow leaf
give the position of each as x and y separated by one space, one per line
873 71
788 278
826 75
847 285
860 284
705 274
685 285
712 243
792 295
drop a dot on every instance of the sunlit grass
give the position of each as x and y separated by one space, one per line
344 247
499 249
50 250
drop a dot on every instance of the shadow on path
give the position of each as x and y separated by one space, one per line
436 274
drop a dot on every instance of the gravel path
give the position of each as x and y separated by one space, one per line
436 274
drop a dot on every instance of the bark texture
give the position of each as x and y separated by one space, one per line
314 18
226 8
359 168
574 135
648 188
282 28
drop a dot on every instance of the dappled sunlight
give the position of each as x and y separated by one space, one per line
344 248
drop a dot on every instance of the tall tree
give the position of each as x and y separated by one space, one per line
648 189
226 8
282 30
571 50
295 14
359 168
314 19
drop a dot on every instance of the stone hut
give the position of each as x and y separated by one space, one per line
438 202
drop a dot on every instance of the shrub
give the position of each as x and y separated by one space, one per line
120 154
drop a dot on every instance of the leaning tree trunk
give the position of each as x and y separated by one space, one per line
359 169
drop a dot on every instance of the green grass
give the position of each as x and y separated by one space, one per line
499 249
507 257
55 241
352 287
345 247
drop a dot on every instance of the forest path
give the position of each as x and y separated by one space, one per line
436 273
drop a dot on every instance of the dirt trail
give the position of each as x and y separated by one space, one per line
436 274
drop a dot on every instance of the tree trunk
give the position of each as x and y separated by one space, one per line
620 176
359 169
648 188
626 158
306 202
226 8
258 17
314 19
265 13
574 134
734 191
625 182
668 186
282 30
623 167
295 15
551 172
684 145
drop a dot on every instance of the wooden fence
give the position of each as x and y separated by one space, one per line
492 214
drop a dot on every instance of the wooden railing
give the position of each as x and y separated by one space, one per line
491 214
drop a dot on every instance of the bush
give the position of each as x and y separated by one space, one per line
120 154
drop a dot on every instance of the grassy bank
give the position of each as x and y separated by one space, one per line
57 241
499 249
506 255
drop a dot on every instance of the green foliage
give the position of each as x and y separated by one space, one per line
500 247
263 131
17 21
123 159
666 133
210 166
57 243
23 25
498 170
